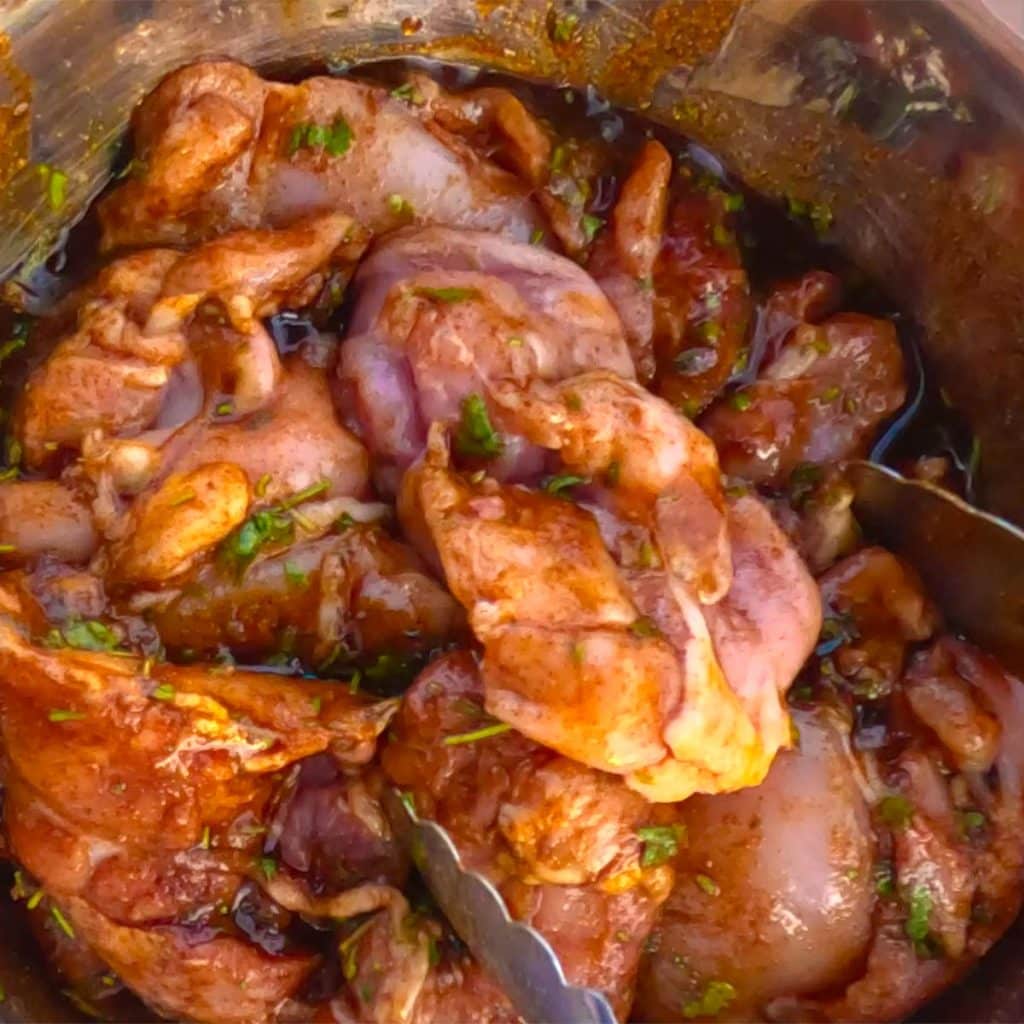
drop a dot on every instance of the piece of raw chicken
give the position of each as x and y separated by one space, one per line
598 639
880 857
563 843
442 316
153 808
219 148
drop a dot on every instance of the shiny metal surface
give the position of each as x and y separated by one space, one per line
972 562
517 955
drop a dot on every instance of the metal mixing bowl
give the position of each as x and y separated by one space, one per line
768 85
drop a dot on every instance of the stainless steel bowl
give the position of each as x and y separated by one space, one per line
766 84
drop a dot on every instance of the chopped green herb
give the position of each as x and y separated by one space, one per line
661 843
717 995
7 549
895 810
56 184
268 866
225 408
452 294
163 692
830 394
643 627
295 575
433 951
647 556
972 822
353 683
821 217
591 226
35 899
711 330
204 842
733 202
62 922
536 236
708 885
262 484
475 436
399 205
478 734
646 283
334 140
409 93
62 715
573 402
797 207
187 495
564 27
740 401
18 338
557 486
316 703
344 522
260 530
613 473
515 342
408 802
306 494
919 909
577 653
348 948
84 635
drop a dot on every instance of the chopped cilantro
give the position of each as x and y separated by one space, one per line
708 885
409 94
741 401
475 436
268 867
536 236
558 486
35 899
306 494
408 802
163 692
895 810
62 922
919 909
261 529
262 484
62 715
353 683
661 843
433 951
17 340
84 635
452 294
717 995
564 26
733 202
972 822
295 575
225 408
884 884
591 226
400 205
478 734
335 139
722 236
56 184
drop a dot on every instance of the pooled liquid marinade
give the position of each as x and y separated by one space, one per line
420 429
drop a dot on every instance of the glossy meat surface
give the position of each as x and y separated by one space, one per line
220 148
132 790
558 839
617 666
442 315
820 401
